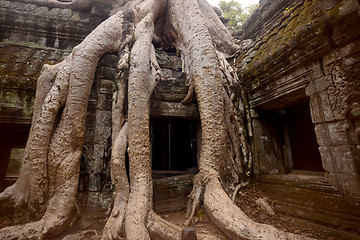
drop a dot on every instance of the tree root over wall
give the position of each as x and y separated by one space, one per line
48 182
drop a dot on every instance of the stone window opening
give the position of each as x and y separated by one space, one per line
300 139
287 142
173 146
13 139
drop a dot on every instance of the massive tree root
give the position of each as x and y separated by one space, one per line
48 181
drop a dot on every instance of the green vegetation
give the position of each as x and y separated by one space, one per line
236 14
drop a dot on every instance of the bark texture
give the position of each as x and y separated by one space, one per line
48 182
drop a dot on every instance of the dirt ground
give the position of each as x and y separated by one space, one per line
245 200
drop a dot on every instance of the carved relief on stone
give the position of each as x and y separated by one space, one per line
353 102
336 91
342 82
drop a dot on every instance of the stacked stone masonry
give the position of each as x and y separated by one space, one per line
303 51
31 36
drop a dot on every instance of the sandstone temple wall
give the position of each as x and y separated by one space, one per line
31 36
305 52
304 59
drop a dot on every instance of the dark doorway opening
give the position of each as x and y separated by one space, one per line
304 147
12 143
173 145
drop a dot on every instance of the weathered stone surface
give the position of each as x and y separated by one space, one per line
19 68
327 159
170 194
173 109
310 197
99 124
299 50
58 28
338 132
344 158
188 233
350 182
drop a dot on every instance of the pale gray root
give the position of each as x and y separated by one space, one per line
194 199
237 189
65 148
233 134
39 142
160 228
120 91
221 37
200 55
142 81
67 141
189 80
263 203
204 68
190 94
57 214
233 222
201 58
237 115
17 195
114 225
234 154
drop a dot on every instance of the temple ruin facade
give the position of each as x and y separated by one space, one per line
301 73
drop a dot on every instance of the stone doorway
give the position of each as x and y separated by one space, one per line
173 146
13 139
304 147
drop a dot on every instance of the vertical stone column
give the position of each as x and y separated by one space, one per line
330 95
99 125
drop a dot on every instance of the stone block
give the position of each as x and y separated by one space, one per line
107 72
317 114
109 60
350 183
106 86
89 163
331 178
338 133
166 74
344 159
92 104
177 63
310 89
188 233
321 84
104 102
327 159
322 135
173 109
94 182
177 74
338 54
326 107
105 105
103 125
